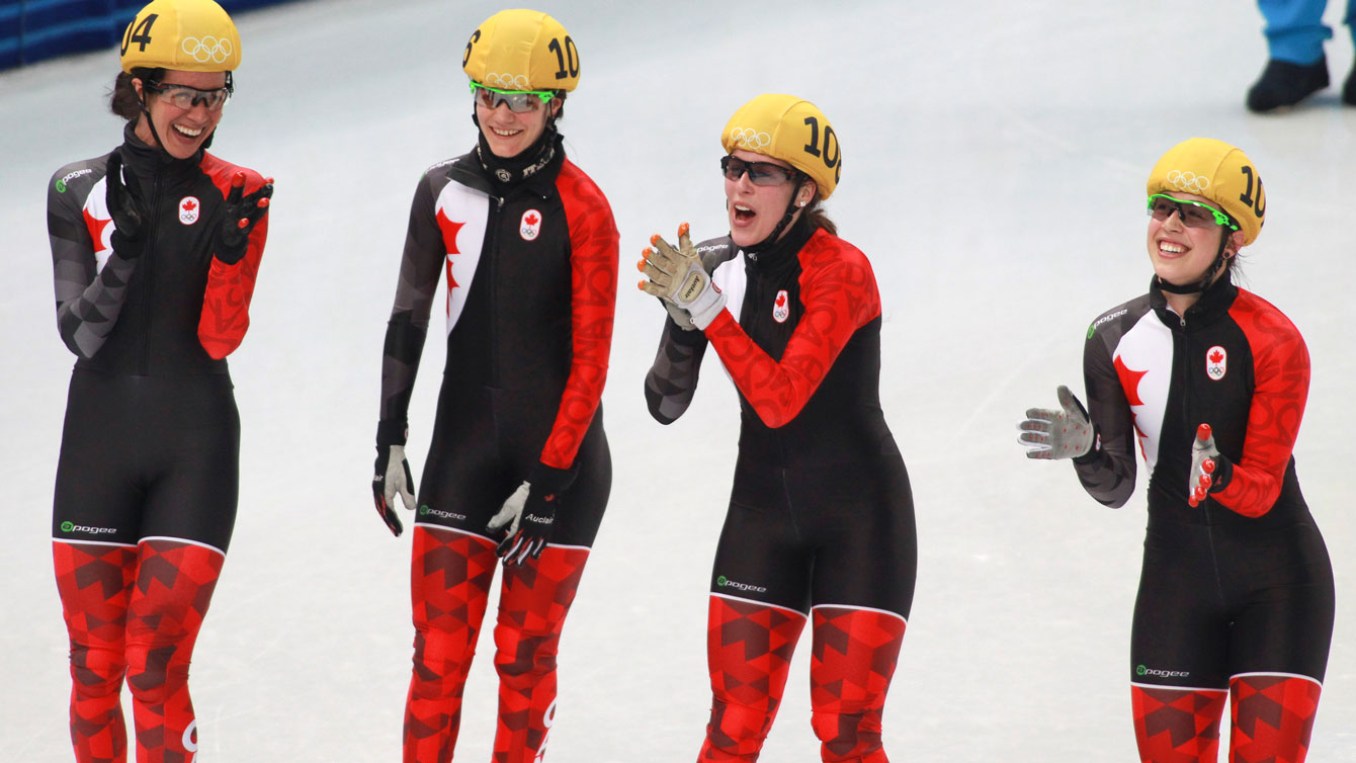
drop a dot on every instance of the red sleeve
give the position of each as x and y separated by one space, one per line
838 291
1281 379
593 285
226 302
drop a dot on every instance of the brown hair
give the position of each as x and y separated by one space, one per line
817 217
123 100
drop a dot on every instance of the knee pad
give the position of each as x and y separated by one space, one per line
736 731
1273 716
1177 724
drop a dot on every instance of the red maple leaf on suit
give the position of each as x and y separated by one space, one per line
1217 356
781 300
189 206
531 219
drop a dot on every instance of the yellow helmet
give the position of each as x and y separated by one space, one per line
793 130
189 35
522 50
1221 173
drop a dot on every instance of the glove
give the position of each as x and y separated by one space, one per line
1210 471
392 475
243 212
127 207
677 277
530 514
1048 434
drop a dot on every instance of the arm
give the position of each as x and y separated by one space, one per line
1251 486
91 279
672 380
838 299
230 287
593 285
1108 470
230 282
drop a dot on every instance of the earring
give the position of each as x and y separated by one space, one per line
800 204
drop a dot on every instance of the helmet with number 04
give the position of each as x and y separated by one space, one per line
791 129
188 35
1221 173
522 50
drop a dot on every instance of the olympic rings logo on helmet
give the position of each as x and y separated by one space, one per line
208 48
1188 182
750 139
507 81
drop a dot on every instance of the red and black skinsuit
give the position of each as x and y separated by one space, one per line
531 268
1236 594
148 477
820 523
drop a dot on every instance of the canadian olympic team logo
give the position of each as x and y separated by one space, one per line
207 48
1216 363
781 307
189 209
1188 182
506 81
530 226
750 139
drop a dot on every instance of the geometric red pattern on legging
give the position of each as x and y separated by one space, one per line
450 578
852 660
1272 718
95 582
749 649
534 600
173 589
1177 725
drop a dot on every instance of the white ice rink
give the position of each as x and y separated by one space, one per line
995 166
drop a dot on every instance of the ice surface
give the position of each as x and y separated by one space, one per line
994 173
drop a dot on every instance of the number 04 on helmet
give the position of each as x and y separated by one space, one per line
187 35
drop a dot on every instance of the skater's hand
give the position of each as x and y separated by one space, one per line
127 207
677 277
1210 471
530 514
392 476
1051 434
243 212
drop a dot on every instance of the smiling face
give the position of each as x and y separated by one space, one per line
754 210
1182 250
181 131
510 133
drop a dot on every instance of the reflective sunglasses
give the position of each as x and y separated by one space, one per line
519 101
760 173
185 97
1194 214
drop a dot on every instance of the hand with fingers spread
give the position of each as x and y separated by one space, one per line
677 277
127 207
392 477
530 514
243 212
1210 471
1054 434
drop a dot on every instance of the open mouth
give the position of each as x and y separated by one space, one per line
188 132
743 214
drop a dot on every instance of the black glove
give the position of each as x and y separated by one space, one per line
243 211
127 207
392 476
530 514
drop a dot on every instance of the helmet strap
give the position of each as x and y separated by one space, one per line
1208 278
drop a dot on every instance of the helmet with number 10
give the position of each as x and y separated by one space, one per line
522 50
790 129
187 35
1219 172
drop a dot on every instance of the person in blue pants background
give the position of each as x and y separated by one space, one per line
1296 66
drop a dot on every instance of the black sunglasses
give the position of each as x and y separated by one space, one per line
760 173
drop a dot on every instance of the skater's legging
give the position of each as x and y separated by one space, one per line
799 553
453 567
1230 613
145 504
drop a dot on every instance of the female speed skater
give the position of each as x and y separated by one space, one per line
519 465
1209 380
155 248
820 525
